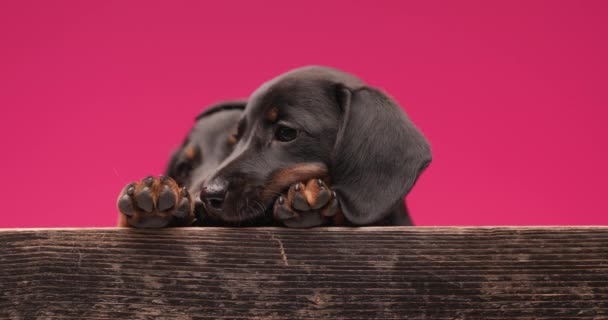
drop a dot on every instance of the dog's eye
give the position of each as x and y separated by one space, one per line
285 134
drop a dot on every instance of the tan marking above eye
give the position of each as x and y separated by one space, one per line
232 139
191 152
272 114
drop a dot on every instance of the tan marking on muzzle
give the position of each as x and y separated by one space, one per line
191 152
283 178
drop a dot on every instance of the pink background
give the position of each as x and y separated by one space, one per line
512 95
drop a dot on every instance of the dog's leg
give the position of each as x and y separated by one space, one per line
308 204
155 203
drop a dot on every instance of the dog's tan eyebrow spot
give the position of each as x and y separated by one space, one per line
232 139
272 114
191 152
233 134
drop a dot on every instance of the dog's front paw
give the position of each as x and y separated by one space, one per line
155 203
307 204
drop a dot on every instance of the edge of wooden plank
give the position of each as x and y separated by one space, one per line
329 229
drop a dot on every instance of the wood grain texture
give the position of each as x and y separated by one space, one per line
323 273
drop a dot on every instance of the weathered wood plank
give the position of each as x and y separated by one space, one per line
323 273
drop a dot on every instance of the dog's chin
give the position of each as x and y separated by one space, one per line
248 214
245 209
240 217
255 206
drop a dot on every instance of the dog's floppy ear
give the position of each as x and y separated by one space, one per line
378 154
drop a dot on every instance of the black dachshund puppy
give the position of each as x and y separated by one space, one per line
298 134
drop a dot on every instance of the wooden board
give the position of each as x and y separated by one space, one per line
324 273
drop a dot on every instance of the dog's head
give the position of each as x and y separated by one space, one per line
318 122
207 144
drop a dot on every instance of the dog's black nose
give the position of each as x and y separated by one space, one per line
213 194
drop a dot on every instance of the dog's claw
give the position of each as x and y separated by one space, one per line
149 180
283 212
299 202
155 203
332 208
317 194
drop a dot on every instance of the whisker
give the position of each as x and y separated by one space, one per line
272 193
261 207
124 181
